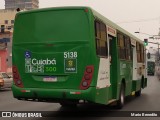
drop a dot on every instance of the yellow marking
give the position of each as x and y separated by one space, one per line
133 93
70 63
110 101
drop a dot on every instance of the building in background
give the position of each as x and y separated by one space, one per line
7 20
5 60
6 31
22 4
7 17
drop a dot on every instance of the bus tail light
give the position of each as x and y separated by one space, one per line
16 77
87 77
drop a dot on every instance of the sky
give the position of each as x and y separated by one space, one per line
132 15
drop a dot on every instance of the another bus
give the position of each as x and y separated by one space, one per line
74 55
151 67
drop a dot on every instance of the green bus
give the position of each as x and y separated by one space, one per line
151 67
74 55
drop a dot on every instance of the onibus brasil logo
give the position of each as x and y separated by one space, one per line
34 65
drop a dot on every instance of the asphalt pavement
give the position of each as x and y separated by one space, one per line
148 101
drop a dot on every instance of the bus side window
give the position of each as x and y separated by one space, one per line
97 35
101 39
127 48
140 52
121 47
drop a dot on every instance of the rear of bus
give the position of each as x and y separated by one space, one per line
151 67
52 58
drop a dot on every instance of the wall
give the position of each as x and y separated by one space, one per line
8 15
3 57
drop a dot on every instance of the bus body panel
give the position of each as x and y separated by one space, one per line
51 75
45 55
126 74
47 61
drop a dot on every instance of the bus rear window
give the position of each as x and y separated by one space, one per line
47 26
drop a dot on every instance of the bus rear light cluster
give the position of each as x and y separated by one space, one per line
89 70
87 77
16 77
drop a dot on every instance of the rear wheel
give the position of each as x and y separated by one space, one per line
138 93
120 102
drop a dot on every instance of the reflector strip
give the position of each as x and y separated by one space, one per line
75 93
25 91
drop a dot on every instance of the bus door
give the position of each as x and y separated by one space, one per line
111 56
111 37
134 77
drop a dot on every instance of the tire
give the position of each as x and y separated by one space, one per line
120 102
138 93
19 99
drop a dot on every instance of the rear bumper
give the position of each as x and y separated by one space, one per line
55 95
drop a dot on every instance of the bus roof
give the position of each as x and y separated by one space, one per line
115 26
95 13
51 8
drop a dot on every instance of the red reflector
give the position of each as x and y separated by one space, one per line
23 90
16 76
87 77
77 92
88 70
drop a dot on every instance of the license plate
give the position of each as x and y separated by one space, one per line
50 79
